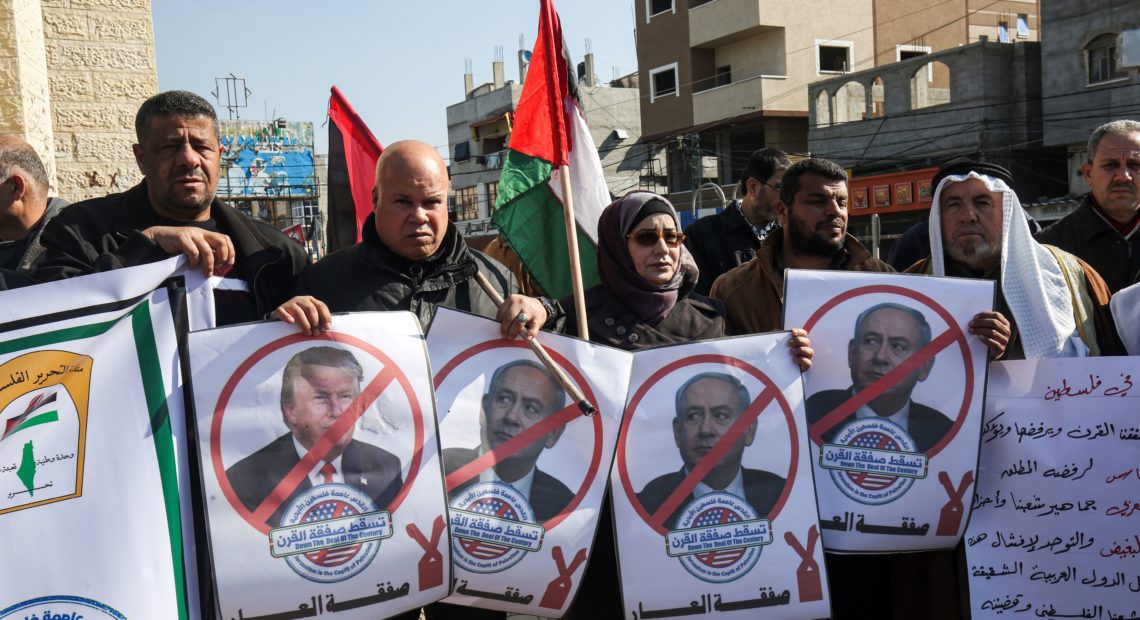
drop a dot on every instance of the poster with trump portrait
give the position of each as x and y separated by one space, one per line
525 469
894 404
713 501
320 473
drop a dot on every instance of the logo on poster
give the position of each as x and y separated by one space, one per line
340 556
719 537
493 527
873 461
61 608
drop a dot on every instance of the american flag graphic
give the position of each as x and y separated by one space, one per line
323 512
492 507
718 516
881 441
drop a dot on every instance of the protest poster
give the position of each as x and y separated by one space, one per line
93 464
712 490
894 404
525 469
320 468
1056 518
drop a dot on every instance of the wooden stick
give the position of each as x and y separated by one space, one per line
572 247
543 356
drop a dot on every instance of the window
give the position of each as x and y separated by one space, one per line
1023 26
656 7
723 76
908 54
833 56
462 151
492 192
1003 31
466 204
1101 56
663 82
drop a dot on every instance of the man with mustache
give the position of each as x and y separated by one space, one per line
1049 302
174 211
1104 230
813 214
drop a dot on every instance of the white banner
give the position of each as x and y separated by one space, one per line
525 470
712 487
93 451
1056 521
321 471
894 404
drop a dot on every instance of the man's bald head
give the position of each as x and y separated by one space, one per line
410 199
23 188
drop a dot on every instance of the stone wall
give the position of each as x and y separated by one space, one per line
90 63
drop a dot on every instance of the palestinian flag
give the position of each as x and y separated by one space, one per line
550 131
33 415
353 151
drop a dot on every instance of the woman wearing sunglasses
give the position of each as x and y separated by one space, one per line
647 275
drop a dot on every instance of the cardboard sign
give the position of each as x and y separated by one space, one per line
320 465
713 500
525 470
894 404
1057 512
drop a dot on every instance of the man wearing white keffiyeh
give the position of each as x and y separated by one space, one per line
1056 303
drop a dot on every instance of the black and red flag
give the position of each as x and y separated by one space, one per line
353 151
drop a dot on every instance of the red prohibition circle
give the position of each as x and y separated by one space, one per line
595 457
952 325
247 365
623 470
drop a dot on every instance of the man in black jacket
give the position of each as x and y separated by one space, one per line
411 257
724 240
1105 230
25 208
174 211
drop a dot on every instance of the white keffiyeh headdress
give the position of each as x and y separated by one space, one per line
1031 279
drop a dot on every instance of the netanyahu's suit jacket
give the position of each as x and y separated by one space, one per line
762 490
925 425
373 470
548 496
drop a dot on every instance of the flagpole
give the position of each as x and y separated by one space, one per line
572 247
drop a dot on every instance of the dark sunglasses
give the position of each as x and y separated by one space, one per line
648 238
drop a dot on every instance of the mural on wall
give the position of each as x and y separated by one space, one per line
267 158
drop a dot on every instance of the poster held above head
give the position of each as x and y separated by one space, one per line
525 470
894 402
713 503
320 467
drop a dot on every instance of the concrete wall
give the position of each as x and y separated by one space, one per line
100 54
661 40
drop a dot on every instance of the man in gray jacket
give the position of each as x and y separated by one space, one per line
25 207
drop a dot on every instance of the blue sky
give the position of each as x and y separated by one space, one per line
400 64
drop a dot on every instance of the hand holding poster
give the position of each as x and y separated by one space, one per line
320 468
894 404
1055 520
92 451
713 501
525 470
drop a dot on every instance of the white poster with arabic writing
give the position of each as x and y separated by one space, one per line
320 468
94 507
525 469
713 500
894 404
1056 524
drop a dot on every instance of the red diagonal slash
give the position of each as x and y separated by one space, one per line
431 564
807 574
559 588
951 516
712 458
871 392
488 459
321 449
